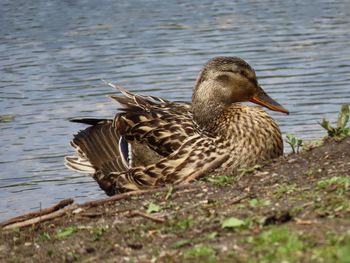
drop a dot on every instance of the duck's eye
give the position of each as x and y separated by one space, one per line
248 76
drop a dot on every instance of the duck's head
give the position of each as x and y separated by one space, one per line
226 80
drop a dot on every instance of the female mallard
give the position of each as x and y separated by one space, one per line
152 142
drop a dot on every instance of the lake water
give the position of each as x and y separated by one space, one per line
54 53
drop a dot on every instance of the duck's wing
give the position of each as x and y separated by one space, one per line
146 129
196 157
161 124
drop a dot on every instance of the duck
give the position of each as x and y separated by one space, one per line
152 142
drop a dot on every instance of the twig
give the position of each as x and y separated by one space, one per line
134 193
148 216
40 212
239 199
40 218
51 212
179 193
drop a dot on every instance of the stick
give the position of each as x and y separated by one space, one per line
51 212
239 199
134 193
179 193
153 218
40 212
40 218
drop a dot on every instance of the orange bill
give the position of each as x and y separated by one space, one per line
261 98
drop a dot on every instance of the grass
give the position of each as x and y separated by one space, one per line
282 244
95 232
335 249
181 243
278 244
333 206
220 180
185 223
283 189
339 184
204 253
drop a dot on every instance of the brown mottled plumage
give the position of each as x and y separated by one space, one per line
152 142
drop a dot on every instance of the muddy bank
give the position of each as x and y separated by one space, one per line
294 209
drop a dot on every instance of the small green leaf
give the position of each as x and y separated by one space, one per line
169 193
61 233
153 208
343 117
201 251
232 222
294 142
325 124
212 235
6 118
181 243
253 202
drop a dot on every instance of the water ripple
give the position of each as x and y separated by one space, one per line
53 55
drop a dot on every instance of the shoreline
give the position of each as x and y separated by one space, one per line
302 200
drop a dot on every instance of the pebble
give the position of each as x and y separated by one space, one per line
78 210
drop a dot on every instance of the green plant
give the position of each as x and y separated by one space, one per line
259 202
220 180
335 249
249 170
283 189
185 223
278 244
66 232
340 184
97 232
233 222
201 251
341 130
294 142
153 208
181 243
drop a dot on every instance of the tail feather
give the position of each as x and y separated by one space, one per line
79 164
97 149
89 121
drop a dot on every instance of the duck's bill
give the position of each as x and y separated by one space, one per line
261 98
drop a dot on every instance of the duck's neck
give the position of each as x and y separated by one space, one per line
207 107
206 114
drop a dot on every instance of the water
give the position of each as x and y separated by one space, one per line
54 53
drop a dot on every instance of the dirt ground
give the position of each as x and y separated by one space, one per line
293 209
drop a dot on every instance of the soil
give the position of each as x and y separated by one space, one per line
292 209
